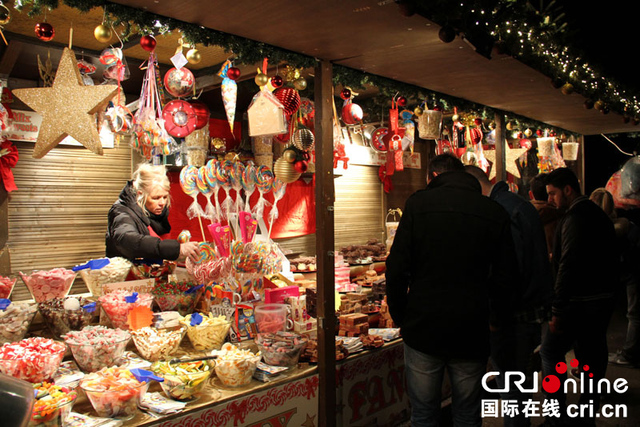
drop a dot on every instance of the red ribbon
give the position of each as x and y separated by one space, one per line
7 162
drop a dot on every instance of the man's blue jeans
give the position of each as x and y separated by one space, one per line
425 374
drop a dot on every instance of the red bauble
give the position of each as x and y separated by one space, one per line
44 31
351 113
289 98
402 101
148 43
233 73
179 82
345 94
300 166
179 118
277 81
202 113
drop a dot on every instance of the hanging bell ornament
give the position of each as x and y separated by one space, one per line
303 139
234 73
102 33
300 83
284 171
44 31
261 79
193 56
5 15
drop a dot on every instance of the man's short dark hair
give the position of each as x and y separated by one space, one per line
444 163
478 173
562 177
538 188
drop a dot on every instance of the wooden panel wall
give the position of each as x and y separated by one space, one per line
58 215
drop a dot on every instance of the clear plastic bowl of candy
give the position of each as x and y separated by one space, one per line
52 406
235 366
15 320
157 343
180 296
206 332
45 285
114 272
114 392
6 286
280 348
67 314
118 304
32 359
96 347
183 381
144 270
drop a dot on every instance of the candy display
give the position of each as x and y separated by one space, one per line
155 344
52 406
114 392
234 366
32 359
372 251
206 332
114 272
280 348
181 296
45 285
272 318
118 304
67 314
15 320
183 381
209 271
6 286
96 347
143 270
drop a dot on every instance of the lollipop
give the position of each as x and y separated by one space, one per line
279 189
248 181
207 252
264 182
224 179
188 182
207 190
212 182
184 236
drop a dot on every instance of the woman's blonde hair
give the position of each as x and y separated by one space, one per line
147 177
603 198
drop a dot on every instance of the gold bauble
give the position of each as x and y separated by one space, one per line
528 132
284 171
418 111
289 156
102 33
261 79
291 74
455 118
598 105
303 139
193 56
469 158
567 89
5 15
300 83
510 126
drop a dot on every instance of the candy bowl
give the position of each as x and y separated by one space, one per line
185 380
280 348
52 406
67 314
32 359
96 347
15 320
114 272
157 343
118 304
114 392
144 270
234 366
180 296
45 285
6 286
206 332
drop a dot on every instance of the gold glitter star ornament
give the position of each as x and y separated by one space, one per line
67 107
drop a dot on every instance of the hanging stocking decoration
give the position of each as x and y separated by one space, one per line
393 140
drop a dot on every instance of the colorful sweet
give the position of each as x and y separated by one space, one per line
207 251
32 359
45 285
114 391
206 331
280 348
96 347
181 296
208 271
67 314
183 381
6 286
188 182
154 344
143 270
213 184
222 237
114 272
234 366
52 405
184 236
15 320
118 304
248 182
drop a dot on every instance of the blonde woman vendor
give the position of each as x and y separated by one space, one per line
139 220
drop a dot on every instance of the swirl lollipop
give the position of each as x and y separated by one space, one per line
212 182
204 187
279 189
264 182
222 176
248 181
188 177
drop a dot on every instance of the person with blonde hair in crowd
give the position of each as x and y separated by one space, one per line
139 220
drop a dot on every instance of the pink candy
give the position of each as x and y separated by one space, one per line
6 286
45 285
32 359
118 309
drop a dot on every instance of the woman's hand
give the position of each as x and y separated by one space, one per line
190 250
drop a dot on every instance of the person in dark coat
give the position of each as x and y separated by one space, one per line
448 282
138 220
548 214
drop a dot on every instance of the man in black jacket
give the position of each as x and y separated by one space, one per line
448 276
586 261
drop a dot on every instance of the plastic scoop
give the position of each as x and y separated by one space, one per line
89 308
94 264
197 359
4 303
144 376
193 289
196 319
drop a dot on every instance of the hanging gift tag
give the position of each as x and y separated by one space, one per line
179 60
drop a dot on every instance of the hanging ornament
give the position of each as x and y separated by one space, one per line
418 111
285 171
402 101
303 139
567 89
289 155
447 34
277 81
261 79
5 15
300 83
193 56
179 82
289 98
301 166
179 118
202 113
291 73
233 73
598 105
44 31
102 33
229 93
351 113
528 132
148 43
345 93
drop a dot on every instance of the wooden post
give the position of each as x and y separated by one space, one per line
501 140
325 197
5 260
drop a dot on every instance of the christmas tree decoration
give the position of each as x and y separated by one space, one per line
179 118
68 107
289 155
261 79
229 93
351 113
511 156
285 171
45 31
102 33
567 89
290 99
402 101
418 111
266 115
345 93
202 113
300 83
148 42
447 34
300 166
598 105
234 73
303 139
179 82
277 81
194 56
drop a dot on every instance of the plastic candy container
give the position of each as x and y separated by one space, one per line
33 359
234 366
280 348
96 347
114 272
183 381
67 314
6 286
15 320
154 344
206 332
117 306
177 296
272 318
52 406
151 271
114 392
45 285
